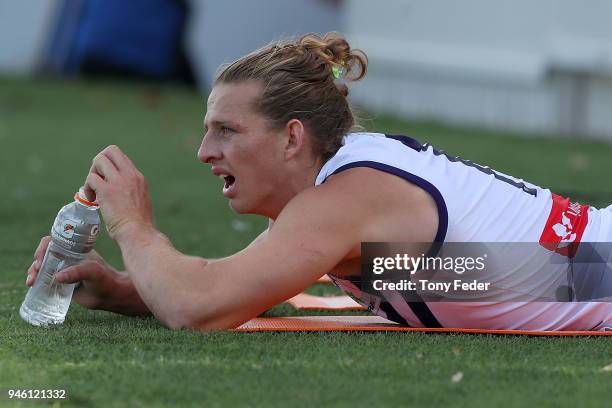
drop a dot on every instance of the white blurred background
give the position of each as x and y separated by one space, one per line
539 66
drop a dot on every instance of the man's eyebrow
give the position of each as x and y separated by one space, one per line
222 123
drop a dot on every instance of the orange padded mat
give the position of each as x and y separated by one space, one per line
304 301
376 323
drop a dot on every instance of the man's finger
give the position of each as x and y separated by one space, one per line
32 268
92 185
32 272
118 158
39 254
40 250
83 271
104 167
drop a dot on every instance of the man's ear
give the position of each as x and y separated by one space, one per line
295 138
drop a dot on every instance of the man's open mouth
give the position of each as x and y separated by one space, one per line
229 181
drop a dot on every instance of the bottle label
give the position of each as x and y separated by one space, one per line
61 238
74 235
67 228
75 228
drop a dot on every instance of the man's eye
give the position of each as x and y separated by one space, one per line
225 130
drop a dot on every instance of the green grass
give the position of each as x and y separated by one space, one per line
50 131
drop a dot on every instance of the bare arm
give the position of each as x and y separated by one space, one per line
184 291
102 286
262 235
313 233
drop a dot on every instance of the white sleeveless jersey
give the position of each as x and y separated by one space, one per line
478 204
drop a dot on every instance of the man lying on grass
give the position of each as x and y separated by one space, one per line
278 132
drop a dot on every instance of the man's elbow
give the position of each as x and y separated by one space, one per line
175 323
179 319
187 319
186 311
176 318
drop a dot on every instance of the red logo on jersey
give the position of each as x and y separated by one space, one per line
565 226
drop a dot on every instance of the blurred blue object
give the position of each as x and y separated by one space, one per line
138 37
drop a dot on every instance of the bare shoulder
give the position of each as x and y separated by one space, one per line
325 225
324 215
389 207
319 230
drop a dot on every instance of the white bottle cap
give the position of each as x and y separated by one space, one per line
82 198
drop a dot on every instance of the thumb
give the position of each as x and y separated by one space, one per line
86 270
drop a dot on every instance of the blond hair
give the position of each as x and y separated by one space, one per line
299 83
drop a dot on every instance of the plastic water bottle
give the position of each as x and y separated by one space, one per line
73 235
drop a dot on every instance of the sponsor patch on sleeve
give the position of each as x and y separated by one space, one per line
565 225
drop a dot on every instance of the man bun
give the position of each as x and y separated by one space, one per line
304 79
334 49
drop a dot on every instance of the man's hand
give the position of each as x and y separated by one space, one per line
102 287
120 190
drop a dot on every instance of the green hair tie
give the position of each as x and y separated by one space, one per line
336 71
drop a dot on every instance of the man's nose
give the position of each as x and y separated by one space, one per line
209 151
